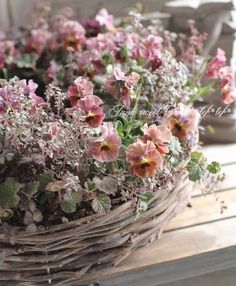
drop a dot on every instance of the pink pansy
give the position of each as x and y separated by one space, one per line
106 147
119 74
227 94
53 69
104 19
30 89
103 43
122 85
216 64
144 159
183 121
85 87
226 76
159 135
132 80
37 40
152 45
81 88
93 113
72 34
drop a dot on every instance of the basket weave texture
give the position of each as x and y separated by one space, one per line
73 253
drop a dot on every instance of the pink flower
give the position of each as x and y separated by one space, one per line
93 113
30 89
106 147
152 46
216 64
183 121
226 76
159 135
8 99
227 94
104 19
119 74
72 34
53 69
37 40
144 159
81 88
122 85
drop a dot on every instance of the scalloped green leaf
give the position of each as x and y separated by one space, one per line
8 193
44 179
101 204
32 188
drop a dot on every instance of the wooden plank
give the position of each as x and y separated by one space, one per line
223 153
219 278
179 254
205 209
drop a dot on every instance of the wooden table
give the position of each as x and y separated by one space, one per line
199 241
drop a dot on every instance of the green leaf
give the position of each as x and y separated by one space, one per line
175 146
147 197
77 196
214 167
70 202
68 206
44 179
32 188
144 201
196 166
107 185
101 204
26 60
119 127
8 193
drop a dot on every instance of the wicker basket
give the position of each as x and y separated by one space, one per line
75 252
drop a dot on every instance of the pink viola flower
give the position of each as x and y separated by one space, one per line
81 88
29 89
37 40
152 46
227 94
106 147
105 19
226 76
91 110
216 64
159 135
53 69
183 122
122 85
144 159
72 34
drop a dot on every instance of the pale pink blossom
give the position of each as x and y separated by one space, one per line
105 19
159 135
29 89
81 88
227 94
106 147
216 64
226 76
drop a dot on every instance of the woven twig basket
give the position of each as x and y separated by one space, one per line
73 253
